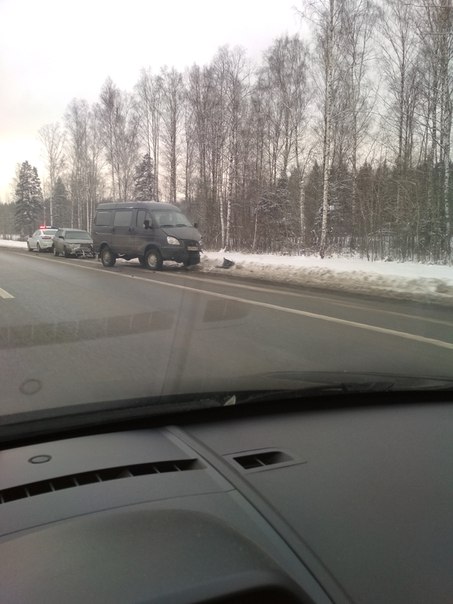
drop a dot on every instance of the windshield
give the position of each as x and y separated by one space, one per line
264 189
169 219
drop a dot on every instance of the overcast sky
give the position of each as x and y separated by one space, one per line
52 51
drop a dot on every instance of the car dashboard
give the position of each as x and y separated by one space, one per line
274 504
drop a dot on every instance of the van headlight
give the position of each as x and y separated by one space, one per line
172 241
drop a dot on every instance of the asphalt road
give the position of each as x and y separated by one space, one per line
73 332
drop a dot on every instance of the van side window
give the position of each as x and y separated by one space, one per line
143 215
122 218
103 218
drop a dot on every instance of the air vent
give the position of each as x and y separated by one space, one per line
260 459
103 475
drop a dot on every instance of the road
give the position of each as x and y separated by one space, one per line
73 332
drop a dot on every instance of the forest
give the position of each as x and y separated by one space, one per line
334 141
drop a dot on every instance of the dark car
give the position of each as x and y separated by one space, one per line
73 242
150 231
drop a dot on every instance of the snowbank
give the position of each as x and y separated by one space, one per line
405 280
408 280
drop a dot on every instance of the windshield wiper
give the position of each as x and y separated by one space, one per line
319 383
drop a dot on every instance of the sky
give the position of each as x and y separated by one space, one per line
52 51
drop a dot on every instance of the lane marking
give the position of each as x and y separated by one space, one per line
351 305
256 288
302 313
4 294
314 297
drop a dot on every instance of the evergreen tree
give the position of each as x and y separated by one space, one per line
144 180
29 200
61 207
7 219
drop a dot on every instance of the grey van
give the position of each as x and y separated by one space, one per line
150 231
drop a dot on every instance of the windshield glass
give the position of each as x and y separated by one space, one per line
264 190
169 219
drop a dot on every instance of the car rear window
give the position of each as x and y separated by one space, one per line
77 235
52 232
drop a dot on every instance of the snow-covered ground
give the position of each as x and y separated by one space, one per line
408 280
422 282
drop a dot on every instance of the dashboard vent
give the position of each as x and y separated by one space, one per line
260 459
103 475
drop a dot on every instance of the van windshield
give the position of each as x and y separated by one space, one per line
169 218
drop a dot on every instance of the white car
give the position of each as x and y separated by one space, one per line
42 239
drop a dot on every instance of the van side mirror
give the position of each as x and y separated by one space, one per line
195 224
146 224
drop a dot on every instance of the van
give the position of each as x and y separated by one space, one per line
153 232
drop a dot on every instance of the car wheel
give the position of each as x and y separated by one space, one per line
38 248
66 253
108 258
153 260
55 252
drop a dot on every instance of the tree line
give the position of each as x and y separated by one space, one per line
337 142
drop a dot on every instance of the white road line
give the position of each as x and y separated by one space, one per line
302 313
350 305
4 294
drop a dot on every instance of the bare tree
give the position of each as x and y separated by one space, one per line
172 114
149 107
326 18
53 139
85 164
400 55
118 121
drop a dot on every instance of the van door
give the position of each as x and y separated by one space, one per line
142 235
122 232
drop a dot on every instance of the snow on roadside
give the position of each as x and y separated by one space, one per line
405 280
12 243
408 280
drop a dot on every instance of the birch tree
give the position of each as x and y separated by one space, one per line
326 19
53 140
118 120
84 162
172 115
149 106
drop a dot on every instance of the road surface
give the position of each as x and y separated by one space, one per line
72 331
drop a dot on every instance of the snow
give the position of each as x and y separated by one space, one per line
405 280
12 243
408 280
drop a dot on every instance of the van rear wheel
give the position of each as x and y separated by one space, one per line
153 260
108 258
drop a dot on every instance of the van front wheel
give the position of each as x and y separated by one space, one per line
153 260
107 257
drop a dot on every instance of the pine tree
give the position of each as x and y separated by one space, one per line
29 200
61 208
144 180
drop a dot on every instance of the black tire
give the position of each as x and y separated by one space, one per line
153 260
55 253
108 258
